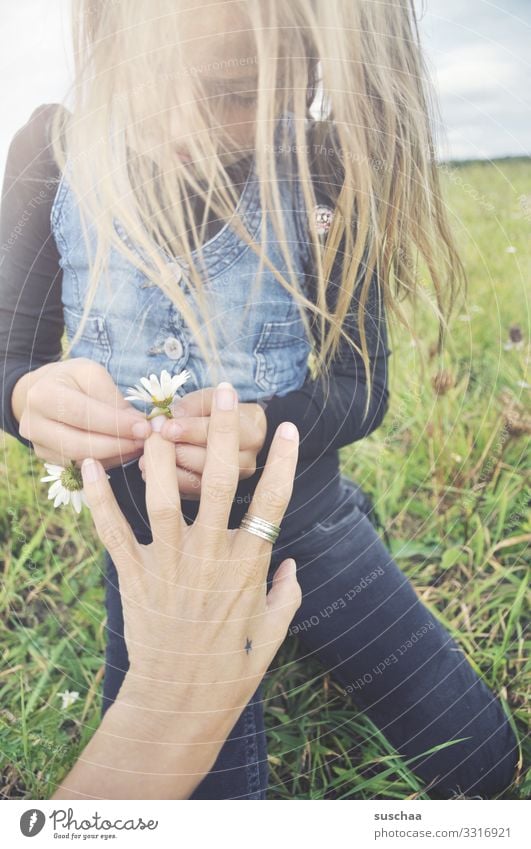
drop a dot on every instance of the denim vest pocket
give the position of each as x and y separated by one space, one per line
280 354
94 340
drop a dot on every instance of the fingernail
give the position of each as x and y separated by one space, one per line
287 430
157 422
90 470
173 430
141 430
225 397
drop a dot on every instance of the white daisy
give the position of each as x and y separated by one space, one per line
160 392
68 697
67 485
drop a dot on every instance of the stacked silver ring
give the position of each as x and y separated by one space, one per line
260 527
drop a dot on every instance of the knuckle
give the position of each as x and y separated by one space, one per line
217 486
276 499
112 536
224 427
164 514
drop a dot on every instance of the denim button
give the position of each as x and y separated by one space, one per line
173 348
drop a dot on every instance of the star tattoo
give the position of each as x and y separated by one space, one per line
248 645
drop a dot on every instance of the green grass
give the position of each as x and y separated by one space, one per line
451 487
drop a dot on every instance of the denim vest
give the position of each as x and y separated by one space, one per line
136 330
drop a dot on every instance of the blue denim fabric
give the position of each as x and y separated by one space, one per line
361 617
134 329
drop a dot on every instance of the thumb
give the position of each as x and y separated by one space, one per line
285 596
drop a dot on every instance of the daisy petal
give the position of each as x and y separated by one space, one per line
75 498
58 498
54 489
53 469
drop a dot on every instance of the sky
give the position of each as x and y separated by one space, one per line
478 54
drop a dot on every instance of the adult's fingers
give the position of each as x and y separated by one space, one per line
163 501
285 595
111 525
221 471
273 492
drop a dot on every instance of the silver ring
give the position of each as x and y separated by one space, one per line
260 527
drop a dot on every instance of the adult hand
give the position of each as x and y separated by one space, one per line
73 409
199 627
188 431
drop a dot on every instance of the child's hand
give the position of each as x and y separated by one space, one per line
73 409
189 431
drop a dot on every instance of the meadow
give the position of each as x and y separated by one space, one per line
448 472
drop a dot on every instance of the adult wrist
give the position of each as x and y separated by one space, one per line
166 711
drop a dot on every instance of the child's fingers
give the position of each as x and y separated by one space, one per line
50 456
111 525
74 408
190 429
190 457
198 403
69 443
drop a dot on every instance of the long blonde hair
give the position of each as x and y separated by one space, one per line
352 75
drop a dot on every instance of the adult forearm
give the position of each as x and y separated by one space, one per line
148 746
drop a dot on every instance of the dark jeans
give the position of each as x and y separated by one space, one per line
361 617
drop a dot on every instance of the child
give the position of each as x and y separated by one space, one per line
203 218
